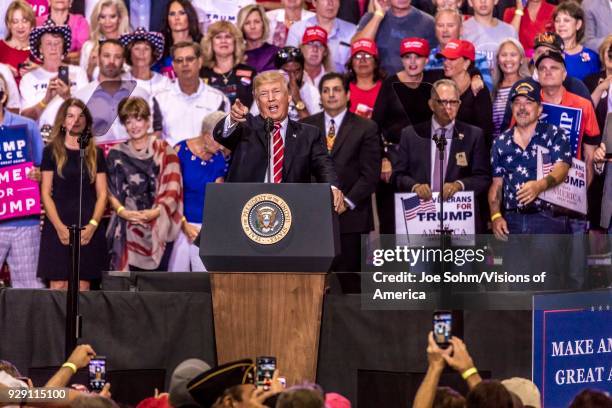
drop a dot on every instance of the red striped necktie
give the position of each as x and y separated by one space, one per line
278 153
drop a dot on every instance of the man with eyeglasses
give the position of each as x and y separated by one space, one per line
295 154
513 195
466 159
188 100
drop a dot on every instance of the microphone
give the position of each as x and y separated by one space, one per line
268 125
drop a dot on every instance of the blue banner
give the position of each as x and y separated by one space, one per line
566 118
572 344
14 145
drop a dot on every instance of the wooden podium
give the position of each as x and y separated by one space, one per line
268 288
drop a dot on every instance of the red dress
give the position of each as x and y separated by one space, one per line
528 28
13 57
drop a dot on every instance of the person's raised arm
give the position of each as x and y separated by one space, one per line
426 393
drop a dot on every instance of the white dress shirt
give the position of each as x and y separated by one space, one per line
182 114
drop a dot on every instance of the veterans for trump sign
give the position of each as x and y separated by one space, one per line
417 217
19 196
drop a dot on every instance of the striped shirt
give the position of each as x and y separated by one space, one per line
499 109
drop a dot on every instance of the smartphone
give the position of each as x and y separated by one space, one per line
62 74
266 366
97 373
442 328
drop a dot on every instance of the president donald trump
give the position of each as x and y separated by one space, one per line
294 153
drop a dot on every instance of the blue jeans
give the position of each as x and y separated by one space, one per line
534 246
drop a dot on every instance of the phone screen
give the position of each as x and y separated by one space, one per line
97 373
265 370
442 328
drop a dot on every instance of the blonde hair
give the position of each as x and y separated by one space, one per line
26 9
4 88
497 73
210 121
124 20
217 28
58 139
244 13
267 77
327 60
449 10
603 50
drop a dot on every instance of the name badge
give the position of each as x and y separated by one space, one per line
461 159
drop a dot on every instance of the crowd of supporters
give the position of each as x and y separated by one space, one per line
151 80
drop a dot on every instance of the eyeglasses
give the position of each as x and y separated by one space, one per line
363 56
188 60
448 102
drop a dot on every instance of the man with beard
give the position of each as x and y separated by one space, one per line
103 95
514 158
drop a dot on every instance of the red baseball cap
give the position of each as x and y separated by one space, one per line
419 46
315 33
364 45
458 48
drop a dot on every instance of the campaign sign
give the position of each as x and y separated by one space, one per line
417 217
566 118
19 196
572 193
218 10
572 344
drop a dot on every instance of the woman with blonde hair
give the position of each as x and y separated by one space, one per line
109 19
283 18
146 193
253 23
60 195
510 67
223 52
15 48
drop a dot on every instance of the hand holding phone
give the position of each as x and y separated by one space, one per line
63 74
266 365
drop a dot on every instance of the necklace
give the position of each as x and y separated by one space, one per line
226 76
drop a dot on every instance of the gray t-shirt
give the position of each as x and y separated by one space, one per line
393 30
486 40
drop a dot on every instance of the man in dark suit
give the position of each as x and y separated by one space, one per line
353 145
466 156
296 150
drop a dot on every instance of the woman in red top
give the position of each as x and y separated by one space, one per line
364 76
530 21
15 50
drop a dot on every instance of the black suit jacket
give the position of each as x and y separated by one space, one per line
356 156
305 155
415 158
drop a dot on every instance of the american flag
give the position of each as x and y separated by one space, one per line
546 163
414 205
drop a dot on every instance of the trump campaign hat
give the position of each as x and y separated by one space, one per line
527 87
419 46
315 33
364 45
550 40
458 48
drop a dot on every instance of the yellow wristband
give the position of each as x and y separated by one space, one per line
495 216
519 12
379 13
93 222
121 208
42 104
70 366
469 372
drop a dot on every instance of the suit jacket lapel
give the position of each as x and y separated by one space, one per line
342 135
290 146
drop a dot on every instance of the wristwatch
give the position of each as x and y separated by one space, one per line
300 106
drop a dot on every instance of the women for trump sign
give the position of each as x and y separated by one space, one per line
19 196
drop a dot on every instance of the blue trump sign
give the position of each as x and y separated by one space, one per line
13 146
572 344
566 118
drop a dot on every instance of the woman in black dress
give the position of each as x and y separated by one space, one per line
60 196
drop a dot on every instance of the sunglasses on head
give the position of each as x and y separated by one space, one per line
287 54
